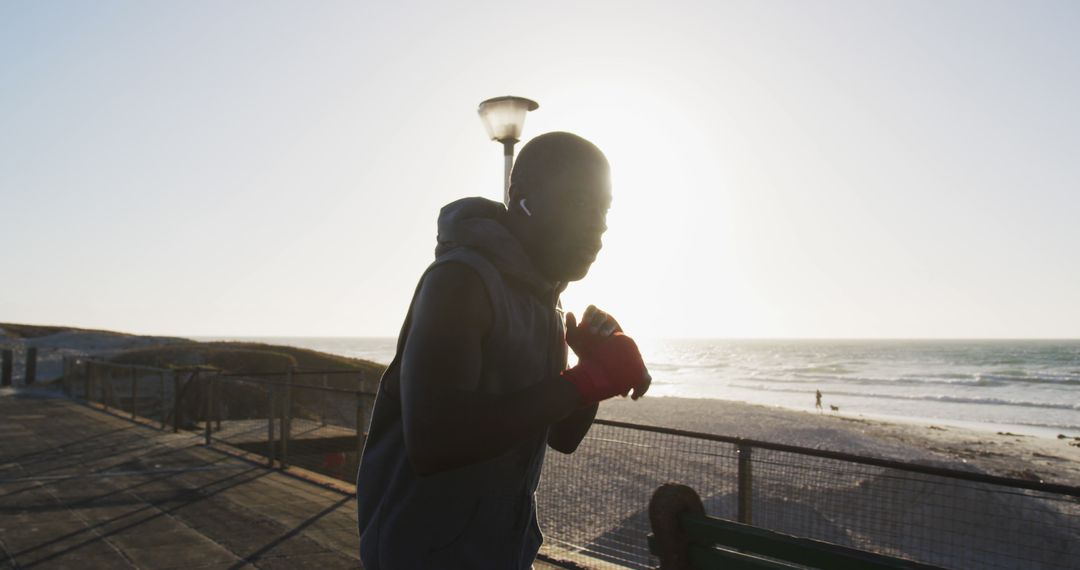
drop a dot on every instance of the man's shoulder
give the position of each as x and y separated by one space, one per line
467 256
457 291
465 266
453 275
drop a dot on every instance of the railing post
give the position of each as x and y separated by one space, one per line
746 485
217 401
161 376
270 427
209 408
176 401
322 416
110 388
6 359
286 418
103 381
69 368
86 379
193 384
134 390
363 417
31 366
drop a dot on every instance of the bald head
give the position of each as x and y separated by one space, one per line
552 155
565 181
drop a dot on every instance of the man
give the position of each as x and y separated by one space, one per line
479 386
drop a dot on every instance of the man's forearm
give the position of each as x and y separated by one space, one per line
467 427
566 434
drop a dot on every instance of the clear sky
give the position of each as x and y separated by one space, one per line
780 169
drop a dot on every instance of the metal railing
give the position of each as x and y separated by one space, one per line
296 417
592 505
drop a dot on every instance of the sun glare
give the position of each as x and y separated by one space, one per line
668 214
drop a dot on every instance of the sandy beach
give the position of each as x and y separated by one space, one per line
998 453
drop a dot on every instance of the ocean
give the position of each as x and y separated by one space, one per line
1021 386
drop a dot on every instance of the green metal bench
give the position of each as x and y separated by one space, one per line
685 538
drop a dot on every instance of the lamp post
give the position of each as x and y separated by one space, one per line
504 118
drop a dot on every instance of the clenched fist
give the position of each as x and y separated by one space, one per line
609 362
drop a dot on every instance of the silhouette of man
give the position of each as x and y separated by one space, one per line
479 387
817 399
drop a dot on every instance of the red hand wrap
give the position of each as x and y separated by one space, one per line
612 367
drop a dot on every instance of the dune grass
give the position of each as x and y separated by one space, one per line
16 330
254 358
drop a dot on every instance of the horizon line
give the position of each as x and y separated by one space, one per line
643 337
658 337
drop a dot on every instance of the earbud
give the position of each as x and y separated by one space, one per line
526 210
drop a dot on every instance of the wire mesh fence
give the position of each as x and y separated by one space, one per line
140 391
592 505
296 418
936 519
306 419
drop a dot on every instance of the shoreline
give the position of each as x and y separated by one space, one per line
1042 432
981 427
979 411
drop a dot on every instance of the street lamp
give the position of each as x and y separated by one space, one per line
504 117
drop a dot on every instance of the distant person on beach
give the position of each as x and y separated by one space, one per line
479 387
817 399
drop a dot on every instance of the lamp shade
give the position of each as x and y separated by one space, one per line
504 117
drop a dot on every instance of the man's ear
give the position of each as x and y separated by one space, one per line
516 196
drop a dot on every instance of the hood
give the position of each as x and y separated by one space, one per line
479 224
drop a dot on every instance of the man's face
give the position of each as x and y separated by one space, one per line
569 212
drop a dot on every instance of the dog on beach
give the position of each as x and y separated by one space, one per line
834 408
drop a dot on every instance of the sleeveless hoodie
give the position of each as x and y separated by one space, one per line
481 515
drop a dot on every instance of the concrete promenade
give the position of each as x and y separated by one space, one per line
83 489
